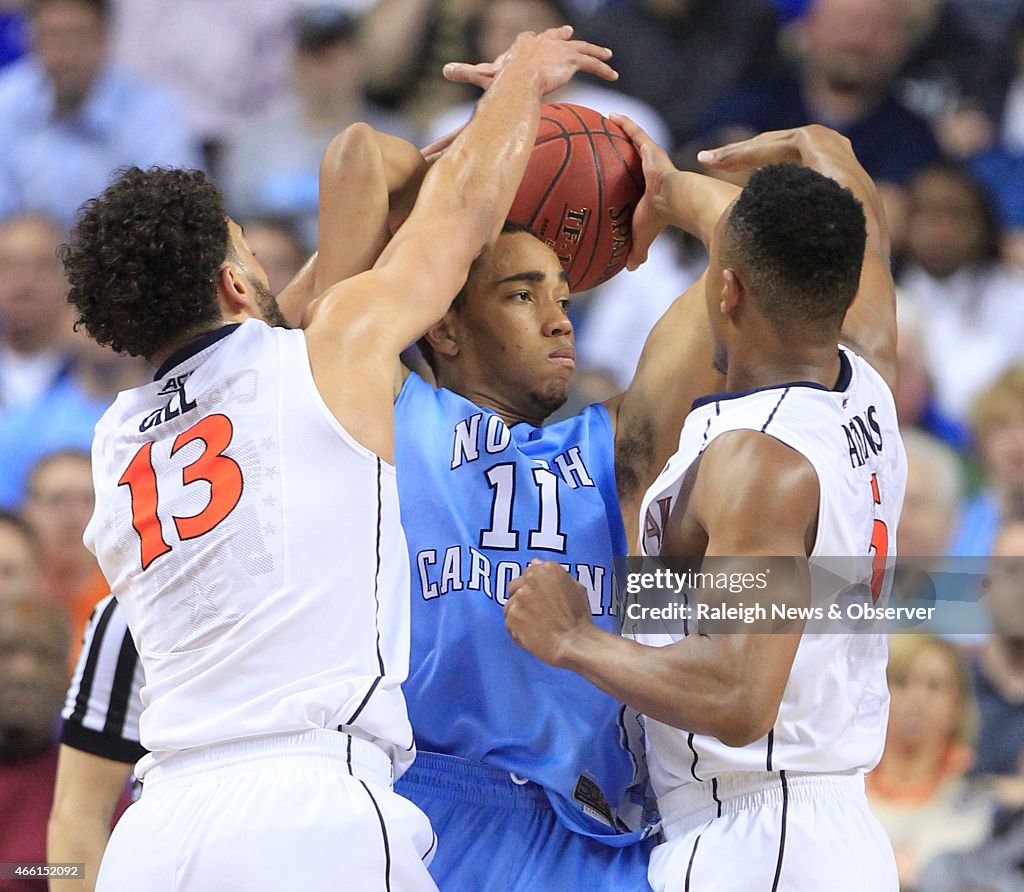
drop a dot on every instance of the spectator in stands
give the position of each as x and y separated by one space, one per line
999 669
279 247
69 118
972 304
1001 166
915 393
997 421
58 507
33 678
65 415
497 26
852 51
406 44
35 320
918 790
934 497
680 56
20 559
949 78
228 60
272 166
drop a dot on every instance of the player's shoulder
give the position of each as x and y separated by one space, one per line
749 478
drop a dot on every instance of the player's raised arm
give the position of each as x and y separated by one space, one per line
676 364
357 328
367 178
870 325
365 175
467 193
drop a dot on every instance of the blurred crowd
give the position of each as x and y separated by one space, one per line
931 94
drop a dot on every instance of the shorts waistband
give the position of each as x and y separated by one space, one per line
318 747
691 805
463 780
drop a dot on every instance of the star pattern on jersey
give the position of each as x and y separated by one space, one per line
269 529
269 501
267 442
271 471
205 617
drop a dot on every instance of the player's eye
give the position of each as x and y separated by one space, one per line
521 296
565 303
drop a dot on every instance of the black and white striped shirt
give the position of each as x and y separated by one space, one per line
103 705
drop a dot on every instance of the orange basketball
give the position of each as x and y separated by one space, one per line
582 182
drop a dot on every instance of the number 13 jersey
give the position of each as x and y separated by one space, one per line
256 550
835 706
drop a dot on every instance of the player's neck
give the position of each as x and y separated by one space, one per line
173 346
485 399
753 368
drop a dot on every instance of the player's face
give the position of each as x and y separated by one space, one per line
514 339
251 268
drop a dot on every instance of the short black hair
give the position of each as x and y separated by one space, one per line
796 240
143 259
459 301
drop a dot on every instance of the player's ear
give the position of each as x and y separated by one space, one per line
233 291
442 338
732 294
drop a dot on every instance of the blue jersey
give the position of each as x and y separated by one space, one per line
479 501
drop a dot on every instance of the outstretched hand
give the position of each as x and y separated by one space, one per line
547 608
800 145
649 217
553 53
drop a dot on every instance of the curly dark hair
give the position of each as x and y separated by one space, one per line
143 259
796 239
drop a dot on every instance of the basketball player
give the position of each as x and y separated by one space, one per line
489 711
274 717
758 743
491 716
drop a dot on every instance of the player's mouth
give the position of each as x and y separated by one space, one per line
566 356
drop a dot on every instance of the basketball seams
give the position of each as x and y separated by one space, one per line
599 209
559 185
641 185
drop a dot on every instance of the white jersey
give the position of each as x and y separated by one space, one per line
835 706
256 550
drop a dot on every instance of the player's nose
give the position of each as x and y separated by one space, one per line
557 322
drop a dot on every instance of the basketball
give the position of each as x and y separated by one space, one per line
582 182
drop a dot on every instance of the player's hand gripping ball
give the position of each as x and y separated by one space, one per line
582 182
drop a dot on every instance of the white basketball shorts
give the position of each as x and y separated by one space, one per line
774 831
311 811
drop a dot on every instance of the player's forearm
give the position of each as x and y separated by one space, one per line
477 177
694 202
701 684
